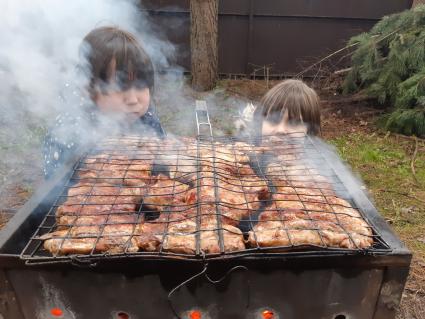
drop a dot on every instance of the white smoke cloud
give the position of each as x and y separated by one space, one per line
40 41
39 53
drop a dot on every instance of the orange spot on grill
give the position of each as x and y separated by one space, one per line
123 315
195 314
267 314
56 312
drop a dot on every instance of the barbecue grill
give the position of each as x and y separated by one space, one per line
221 268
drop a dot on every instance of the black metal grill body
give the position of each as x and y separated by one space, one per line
303 284
290 290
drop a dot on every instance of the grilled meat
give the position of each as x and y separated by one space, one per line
180 167
111 238
117 169
176 231
100 213
87 199
294 227
163 193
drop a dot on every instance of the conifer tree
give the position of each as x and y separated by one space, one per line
389 65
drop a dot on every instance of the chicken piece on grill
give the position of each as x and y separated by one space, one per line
138 173
117 169
151 234
237 152
170 145
232 238
94 208
181 238
339 211
274 234
351 220
97 162
181 167
311 183
120 195
118 238
130 178
290 194
331 233
177 211
235 192
293 227
100 199
228 170
112 237
220 153
164 192
233 200
209 207
287 201
95 220
177 232
57 243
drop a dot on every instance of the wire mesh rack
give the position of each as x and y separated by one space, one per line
204 198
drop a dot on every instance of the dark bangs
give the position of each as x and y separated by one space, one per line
114 57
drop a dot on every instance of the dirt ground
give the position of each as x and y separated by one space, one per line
347 124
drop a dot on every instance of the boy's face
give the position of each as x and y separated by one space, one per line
284 127
131 103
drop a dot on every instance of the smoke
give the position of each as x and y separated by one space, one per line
38 58
39 52
41 39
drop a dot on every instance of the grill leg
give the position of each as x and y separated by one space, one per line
9 306
391 290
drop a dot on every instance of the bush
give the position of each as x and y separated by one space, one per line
389 65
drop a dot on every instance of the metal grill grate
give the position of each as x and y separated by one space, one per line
213 197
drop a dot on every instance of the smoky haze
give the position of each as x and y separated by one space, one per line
39 52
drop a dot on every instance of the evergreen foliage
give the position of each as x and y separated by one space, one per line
389 65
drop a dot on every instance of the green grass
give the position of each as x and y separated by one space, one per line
384 165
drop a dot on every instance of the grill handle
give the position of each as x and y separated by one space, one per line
203 122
